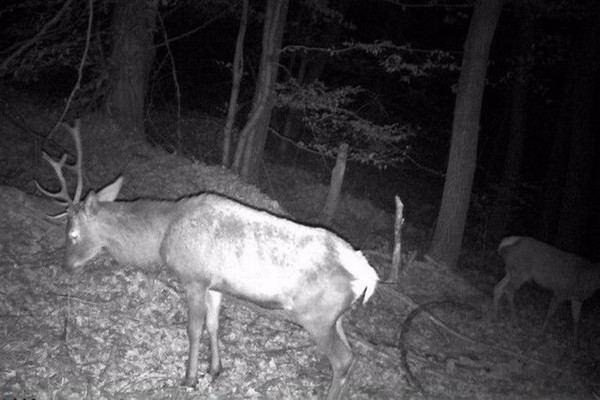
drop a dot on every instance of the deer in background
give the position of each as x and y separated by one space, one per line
568 276
216 245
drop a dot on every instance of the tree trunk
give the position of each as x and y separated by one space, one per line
559 153
133 26
292 130
449 230
502 208
573 219
238 72
335 187
251 144
397 253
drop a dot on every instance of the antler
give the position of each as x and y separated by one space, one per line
63 194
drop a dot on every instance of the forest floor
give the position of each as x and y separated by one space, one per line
117 332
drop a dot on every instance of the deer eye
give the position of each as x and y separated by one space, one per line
74 235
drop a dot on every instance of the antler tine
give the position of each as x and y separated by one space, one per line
75 132
63 193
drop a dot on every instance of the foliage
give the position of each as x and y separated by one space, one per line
403 59
53 36
329 116
58 51
60 47
334 115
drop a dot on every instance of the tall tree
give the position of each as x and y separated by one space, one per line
452 217
502 207
236 81
250 146
133 25
573 217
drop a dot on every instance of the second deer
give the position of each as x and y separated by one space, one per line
568 276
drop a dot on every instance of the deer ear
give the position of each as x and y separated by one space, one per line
110 192
91 203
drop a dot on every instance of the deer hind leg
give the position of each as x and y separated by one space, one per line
508 286
510 296
213 303
196 294
515 281
331 340
551 310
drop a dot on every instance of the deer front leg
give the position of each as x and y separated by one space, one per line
213 302
196 301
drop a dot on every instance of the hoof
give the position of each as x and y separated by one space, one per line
189 382
214 375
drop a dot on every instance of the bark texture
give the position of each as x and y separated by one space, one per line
449 229
133 25
251 144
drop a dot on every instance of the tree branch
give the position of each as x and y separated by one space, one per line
175 80
191 32
428 4
88 35
42 31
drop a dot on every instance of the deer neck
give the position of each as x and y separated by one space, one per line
133 231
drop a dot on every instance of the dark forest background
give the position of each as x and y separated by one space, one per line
502 139
482 116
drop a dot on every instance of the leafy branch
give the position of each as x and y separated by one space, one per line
329 116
